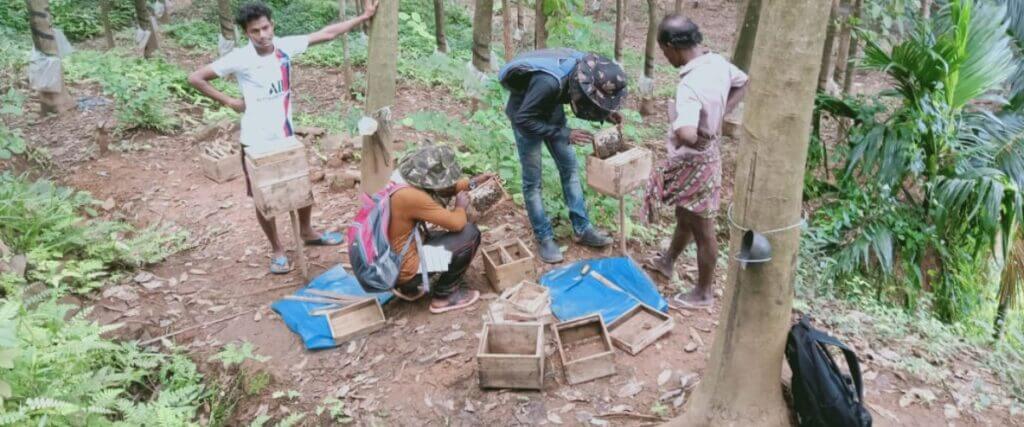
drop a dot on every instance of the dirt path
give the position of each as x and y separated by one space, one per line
394 376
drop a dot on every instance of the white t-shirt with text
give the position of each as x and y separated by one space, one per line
265 82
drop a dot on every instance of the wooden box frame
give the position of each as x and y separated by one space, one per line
527 297
279 178
221 170
511 355
355 320
507 263
633 342
617 175
592 366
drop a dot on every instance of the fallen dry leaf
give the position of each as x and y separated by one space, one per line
554 418
690 347
913 395
664 377
453 336
630 389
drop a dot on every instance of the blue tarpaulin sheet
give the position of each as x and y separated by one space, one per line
314 330
574 295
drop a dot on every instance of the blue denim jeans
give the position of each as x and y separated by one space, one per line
561 150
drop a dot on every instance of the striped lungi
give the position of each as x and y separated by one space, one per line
692 181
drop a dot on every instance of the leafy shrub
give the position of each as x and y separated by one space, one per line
79 19
14 48
67 250
194 34
304 16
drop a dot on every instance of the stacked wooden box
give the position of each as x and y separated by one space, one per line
507 263
280 177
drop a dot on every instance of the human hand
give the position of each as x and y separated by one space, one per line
616 117
483 178
580 137
236 104
462 200
370 8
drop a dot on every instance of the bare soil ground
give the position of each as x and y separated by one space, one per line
419 370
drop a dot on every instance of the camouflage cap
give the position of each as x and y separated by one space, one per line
602 81
432 167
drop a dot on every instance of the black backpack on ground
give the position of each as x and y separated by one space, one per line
822 394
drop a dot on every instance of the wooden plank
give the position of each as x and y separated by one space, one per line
639 327
282 197
220 170
299 244
356 320
511 355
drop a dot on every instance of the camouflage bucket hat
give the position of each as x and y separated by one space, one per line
602 81
432 167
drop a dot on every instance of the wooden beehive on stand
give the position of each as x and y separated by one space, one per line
621 173
220 162
511 355
585 349
355 320
507 263
639 327
279 177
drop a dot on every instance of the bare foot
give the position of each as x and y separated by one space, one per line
693 299
661 266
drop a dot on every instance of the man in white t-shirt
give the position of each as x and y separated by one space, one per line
263 70
691 178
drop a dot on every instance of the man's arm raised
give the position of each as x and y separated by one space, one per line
332 31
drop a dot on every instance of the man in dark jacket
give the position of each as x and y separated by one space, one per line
540 84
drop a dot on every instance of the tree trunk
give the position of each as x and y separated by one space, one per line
827 63
741 384
146 22
620 22
852 53
227 24
540 29
926 9
442 41
749 16
506 27
679 7
108 31
646 87
519 15
846 32
346 63
482 27
40 21
359 11
382 64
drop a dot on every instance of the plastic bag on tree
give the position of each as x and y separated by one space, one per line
474 80
141 38
44 72
224 46
64 48
645 87
159 9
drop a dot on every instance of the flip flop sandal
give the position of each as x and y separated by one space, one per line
680 303
403 297
649 264
466 303
280 265
333 238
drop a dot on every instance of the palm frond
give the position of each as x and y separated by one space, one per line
1015 15
973 38
1011 283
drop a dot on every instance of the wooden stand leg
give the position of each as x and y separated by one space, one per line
299 245
622 225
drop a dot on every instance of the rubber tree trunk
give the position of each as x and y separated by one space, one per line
108 30
679 7
227 23
146 22
41 23
506 29
442 41
646 90
346 63
827 52
741 384
540 28
852 53
620 23
845 33
519 15
926 9
382 64
482 27
749 17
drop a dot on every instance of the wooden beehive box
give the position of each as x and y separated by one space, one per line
221 170
585 349
280 178
485 197
507 263
619 174
639 327
511 355
355 320
527 297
